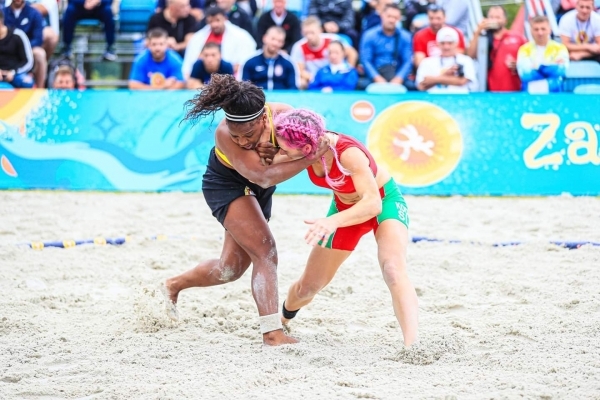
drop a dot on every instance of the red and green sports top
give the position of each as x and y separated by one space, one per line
347 185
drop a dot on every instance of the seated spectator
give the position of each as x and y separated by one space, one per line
424 41
16 58
297 7
580 31
210 62
280 16
564 6
196 8
457 14
337 17
62 65
237 45
542 63
374 18
450 71
503 48
236 15
250 6
50 14
177 21
157 67
338 75
271 68
89 9
64 78
310 54
21 15
412 8
385 50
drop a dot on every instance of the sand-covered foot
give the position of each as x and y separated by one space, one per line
278 338
430 350
170 305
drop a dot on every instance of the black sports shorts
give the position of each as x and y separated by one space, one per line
222 185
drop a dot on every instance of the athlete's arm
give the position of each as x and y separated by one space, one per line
369 205
366 208
248 164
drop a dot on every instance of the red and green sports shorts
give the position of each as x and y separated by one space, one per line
393 207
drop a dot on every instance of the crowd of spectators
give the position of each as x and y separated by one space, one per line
320 45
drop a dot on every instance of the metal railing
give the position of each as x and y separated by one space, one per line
540 7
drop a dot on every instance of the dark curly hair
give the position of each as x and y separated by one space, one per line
225 92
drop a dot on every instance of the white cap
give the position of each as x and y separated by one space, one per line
447 34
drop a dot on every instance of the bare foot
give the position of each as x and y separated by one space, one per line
277 338
170 301
287 329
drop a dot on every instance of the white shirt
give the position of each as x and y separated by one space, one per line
278 20
237 46
539 56
434 66
313 59
575 29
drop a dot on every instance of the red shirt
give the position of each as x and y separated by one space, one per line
214 38
424 42
500 77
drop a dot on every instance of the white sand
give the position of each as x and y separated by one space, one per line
495 322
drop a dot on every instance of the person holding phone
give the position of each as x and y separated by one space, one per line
503 47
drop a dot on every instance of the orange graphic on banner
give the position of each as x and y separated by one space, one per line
362 111
418 142
7 167
15 105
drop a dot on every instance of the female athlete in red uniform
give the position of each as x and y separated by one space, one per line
365 198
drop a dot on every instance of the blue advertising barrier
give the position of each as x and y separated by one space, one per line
478 144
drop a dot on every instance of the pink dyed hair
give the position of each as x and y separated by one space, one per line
300 127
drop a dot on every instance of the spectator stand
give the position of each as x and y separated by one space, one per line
89 44
582 77
540 7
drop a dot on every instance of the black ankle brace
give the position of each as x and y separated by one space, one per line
288 314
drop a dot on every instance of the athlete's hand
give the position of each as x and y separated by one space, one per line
320 229
266 152
322 149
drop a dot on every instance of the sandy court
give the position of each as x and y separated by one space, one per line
85 323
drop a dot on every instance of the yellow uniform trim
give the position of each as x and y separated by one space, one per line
222 155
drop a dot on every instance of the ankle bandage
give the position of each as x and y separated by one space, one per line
269 323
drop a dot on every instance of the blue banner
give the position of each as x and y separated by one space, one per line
477 144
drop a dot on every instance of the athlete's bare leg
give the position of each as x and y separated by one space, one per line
248 240
392 242
231 266
320 269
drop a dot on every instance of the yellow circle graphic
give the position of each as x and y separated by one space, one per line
417 141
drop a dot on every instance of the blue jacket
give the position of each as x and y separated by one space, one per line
80 3
270 74
377 50
30 21
342 80
370 20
